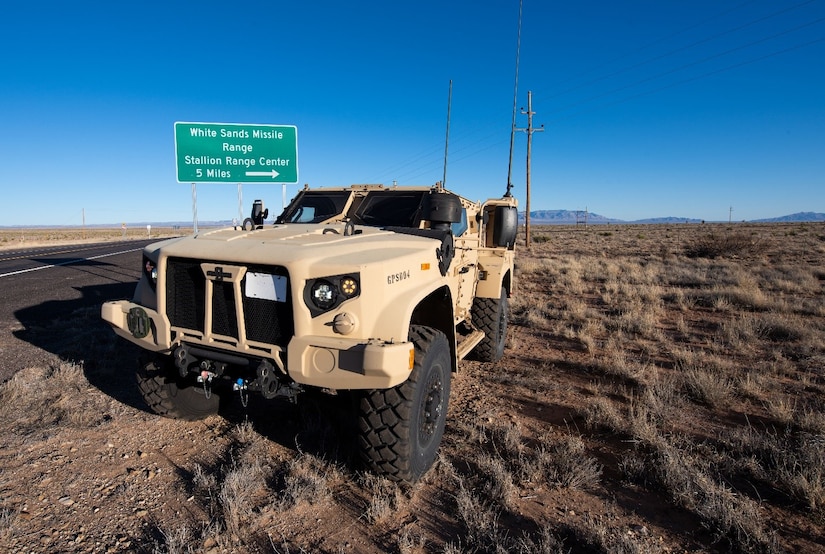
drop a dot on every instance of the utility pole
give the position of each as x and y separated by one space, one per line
730 215
529 130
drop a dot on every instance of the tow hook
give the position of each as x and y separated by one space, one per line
269 385
267 382
242 388
205 378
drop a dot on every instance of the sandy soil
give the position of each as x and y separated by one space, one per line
84 467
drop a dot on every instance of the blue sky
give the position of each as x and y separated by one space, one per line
680 108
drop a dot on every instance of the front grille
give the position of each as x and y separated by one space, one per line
266 321
224 318
185 291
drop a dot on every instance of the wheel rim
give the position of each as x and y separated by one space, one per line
432 408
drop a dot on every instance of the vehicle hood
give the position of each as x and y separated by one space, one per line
290 243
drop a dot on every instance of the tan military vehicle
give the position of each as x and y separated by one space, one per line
369 289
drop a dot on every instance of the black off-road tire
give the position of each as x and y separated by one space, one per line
400 428
490 315
169 395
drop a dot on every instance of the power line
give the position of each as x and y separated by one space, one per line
698 77
692 64
431 164
677 50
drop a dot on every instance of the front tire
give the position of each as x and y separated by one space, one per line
169 395
401 428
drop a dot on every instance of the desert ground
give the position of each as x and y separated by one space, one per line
663 390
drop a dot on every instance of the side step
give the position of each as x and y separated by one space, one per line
466 343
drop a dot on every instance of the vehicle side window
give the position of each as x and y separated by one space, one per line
460 227
315 207
304 214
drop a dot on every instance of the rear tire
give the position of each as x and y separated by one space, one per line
169 395
490 315
400 428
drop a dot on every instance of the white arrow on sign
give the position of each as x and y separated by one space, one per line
272 173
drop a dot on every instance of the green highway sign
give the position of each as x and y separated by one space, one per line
236 153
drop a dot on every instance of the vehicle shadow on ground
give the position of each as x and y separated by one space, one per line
319 424
73 331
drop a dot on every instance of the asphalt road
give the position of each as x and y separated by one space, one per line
39 287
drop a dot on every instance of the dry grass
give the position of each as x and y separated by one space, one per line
696 343
32 237
663 390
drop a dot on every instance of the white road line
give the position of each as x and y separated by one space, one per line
68 263
44 251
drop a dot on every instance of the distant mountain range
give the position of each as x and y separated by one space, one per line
570 217
538 217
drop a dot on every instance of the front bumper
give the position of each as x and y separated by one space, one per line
327 362
338 363
120 314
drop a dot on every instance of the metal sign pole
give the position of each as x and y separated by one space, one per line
194 208
240 202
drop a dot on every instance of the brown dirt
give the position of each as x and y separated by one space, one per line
85 468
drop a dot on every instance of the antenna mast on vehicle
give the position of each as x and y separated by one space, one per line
515 100
447 139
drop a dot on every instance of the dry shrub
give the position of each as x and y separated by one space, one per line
705 378
792 461
38 398
498 484
8 520
501 437
231 498
616 361
242 491
570 276
781 408
731 516
480 521
791 279
601 413
307 479
811 421
544 543
686 275
725 245
782 328
708 386
564 464
804 473
596 534
176 540
588 334
657 407
753 384
385 500
525 312
410 541
482 532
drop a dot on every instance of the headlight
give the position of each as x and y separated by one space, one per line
150 270
324 294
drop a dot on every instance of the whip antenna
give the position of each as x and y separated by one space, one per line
515 100
447 139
